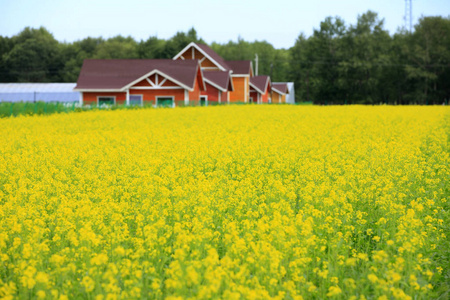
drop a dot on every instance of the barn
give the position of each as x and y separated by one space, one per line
156 82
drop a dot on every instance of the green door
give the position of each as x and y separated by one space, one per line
165 102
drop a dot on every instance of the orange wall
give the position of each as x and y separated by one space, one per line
241 89
149 96
265 97
276 98
90 98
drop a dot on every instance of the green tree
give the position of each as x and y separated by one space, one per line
429 54
74 55
152 48
35 57
5 47
179 41
327 53
118 47
366 58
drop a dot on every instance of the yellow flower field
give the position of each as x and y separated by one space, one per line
231 202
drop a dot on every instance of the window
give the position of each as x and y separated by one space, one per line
203 100
166 101
135 99
106 100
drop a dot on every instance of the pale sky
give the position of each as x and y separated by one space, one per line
279 22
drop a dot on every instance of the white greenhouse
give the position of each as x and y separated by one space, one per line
33 92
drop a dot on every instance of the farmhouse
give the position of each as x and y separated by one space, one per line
260 88
196 75
240 71
279 92
160 82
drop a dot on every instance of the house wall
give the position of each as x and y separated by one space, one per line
149 96
214 94
254 95
194 96
211 92
283 98
276 98
241 89
265 97
90 98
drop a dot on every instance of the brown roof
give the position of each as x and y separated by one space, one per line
240 67
118 74
260 83
280 87
212 54
219 79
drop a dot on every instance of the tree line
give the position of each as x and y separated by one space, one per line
338 64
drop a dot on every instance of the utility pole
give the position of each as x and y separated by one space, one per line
256 64
408 15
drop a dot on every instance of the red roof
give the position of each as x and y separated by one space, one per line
219 79
119 74
240 67
280 88
260 83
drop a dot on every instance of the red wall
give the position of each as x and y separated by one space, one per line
149 96
212 93
254 95
90 98
195 94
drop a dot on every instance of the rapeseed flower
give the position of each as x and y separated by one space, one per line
235 202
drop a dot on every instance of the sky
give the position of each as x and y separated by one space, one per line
278 22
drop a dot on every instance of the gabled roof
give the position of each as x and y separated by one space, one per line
260 83
241 67
120 74
280 88
219 79
208 53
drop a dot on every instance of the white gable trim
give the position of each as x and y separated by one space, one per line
256 89
215 85
149 81
279 92
97 90
156 71
240 75
192 44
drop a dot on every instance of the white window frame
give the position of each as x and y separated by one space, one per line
157 97
206 99
142 98
98 99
